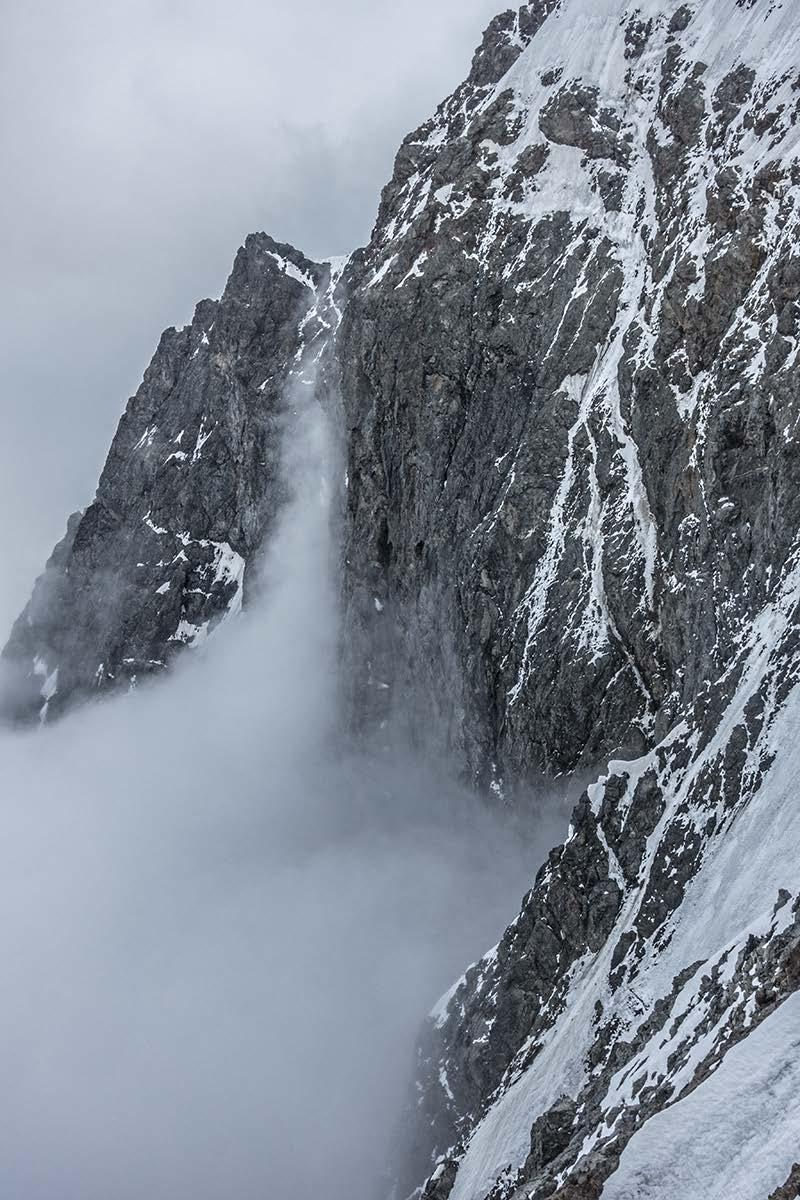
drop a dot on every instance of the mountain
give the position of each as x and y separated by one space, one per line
185 501
567 372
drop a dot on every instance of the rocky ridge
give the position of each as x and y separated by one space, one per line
568 364
187 496
597 472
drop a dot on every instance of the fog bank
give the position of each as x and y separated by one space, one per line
220 930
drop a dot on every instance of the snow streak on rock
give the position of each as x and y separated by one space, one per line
570 367
191 488
609 207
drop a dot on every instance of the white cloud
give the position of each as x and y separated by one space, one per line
218 932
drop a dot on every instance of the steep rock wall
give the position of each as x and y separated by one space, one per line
186 496
568 360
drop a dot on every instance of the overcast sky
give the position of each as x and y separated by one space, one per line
141 140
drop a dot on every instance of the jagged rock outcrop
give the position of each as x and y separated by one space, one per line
791 1189
568 364
571 366
186 496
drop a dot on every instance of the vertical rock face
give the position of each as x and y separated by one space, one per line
187 493
568 360
568 363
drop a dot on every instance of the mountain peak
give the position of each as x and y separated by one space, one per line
567 368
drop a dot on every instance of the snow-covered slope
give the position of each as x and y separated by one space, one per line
591 434
703 947
731 1135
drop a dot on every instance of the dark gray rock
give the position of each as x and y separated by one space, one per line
185 498
791 1189
569 375
574 117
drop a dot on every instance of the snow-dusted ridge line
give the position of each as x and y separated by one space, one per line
743 1118
158 561
635 169
570 371
744 892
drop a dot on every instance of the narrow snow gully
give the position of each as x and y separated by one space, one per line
220 929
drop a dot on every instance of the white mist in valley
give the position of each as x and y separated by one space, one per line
219 933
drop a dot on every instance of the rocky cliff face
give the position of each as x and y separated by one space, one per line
160 558
568 364
568 360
